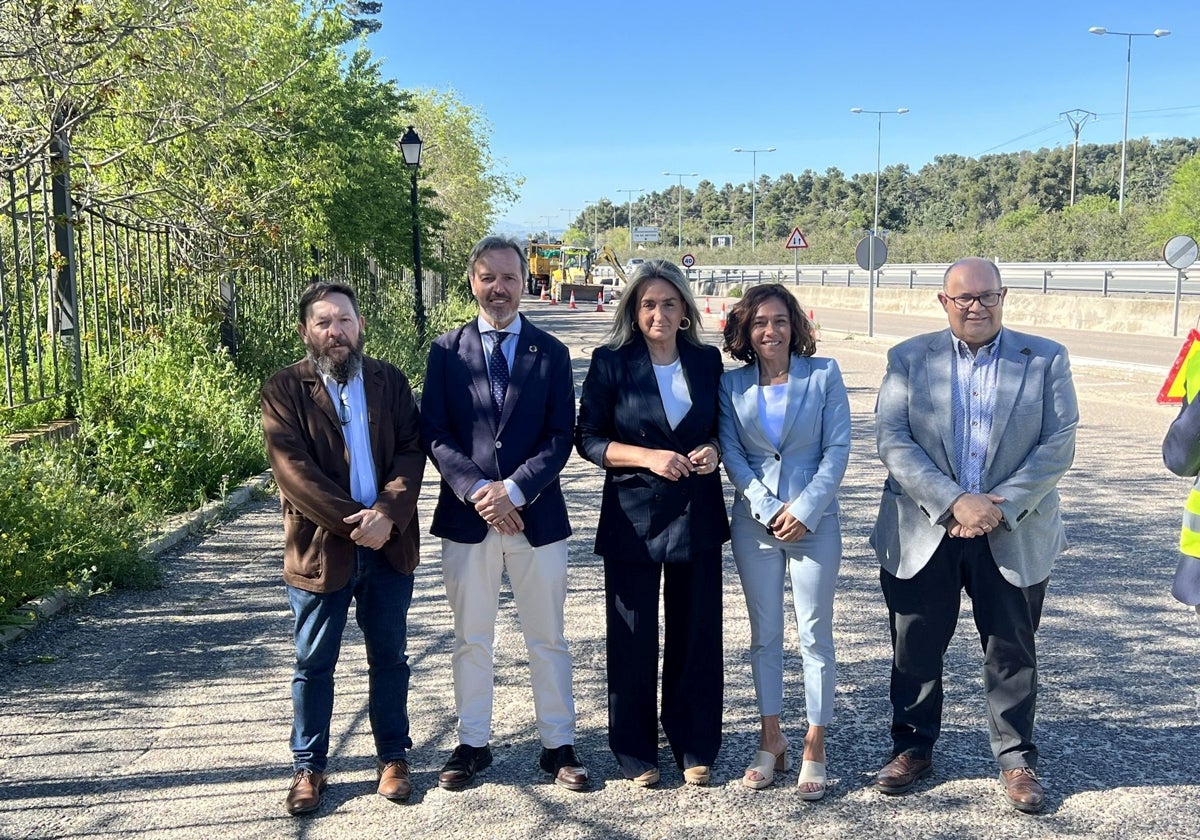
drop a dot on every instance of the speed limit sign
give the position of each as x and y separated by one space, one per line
688 261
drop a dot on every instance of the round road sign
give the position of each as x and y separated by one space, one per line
689 260
862 254
1180 251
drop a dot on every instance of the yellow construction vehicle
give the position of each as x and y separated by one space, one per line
545 258
577 274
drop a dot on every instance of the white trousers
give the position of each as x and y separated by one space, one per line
812 564
538 576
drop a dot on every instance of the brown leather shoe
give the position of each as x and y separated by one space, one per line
1023 790
901 773
304 796
394 783
566 768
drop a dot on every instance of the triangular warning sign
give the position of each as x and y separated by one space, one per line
796 240
1172 390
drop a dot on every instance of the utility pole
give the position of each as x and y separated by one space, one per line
1076 117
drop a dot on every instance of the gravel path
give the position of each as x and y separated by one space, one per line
165 714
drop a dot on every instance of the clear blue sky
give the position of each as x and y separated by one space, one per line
586 99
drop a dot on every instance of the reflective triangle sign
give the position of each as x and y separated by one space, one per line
796 240
1175 386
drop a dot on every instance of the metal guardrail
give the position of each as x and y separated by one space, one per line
1104 278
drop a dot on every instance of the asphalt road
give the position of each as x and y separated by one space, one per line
165 714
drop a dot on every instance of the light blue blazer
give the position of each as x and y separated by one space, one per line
804 471
1031 446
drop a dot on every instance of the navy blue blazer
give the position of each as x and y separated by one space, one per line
530 446
643 516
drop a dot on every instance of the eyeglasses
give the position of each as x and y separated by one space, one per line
987 300
343 405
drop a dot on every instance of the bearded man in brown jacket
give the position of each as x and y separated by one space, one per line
342 434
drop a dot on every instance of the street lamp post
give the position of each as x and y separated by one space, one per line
411 146
754 191
570 211
875 229
681 176
629 211
1157 33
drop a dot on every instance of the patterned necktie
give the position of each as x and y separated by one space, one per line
498 370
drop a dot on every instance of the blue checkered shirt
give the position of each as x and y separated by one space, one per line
974 406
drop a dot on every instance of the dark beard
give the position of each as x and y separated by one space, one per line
340 371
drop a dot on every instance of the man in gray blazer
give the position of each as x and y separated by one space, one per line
976 425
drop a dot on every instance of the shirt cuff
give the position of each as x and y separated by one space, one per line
514 492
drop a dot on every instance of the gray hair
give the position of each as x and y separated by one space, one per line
496 243
625 317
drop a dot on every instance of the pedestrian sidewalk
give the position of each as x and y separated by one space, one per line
165 714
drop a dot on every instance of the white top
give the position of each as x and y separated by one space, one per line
673 388
772 405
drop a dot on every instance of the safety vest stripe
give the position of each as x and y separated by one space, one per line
1189 536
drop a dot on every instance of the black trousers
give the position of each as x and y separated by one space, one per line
923 613
693 666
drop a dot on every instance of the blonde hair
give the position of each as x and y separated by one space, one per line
625 316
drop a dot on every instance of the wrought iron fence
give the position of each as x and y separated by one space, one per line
78 284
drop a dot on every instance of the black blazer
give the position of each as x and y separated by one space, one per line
644 517
530 446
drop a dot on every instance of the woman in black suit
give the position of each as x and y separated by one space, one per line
648 415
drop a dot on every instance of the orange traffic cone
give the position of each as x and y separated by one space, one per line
600 301
572 303
543 287
707 308
553 299
721 324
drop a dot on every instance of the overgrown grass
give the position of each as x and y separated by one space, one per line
175 425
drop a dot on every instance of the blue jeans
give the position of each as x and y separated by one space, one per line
381 597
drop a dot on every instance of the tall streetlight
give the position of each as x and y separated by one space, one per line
754 191
410 146
570 211
681 176
1076 117
875 229
1157 33
629 211
548 219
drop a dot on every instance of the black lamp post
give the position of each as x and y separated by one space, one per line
410 145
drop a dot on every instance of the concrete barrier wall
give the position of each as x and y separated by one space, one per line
1079 312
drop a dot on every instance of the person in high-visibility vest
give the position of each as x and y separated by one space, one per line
1181 454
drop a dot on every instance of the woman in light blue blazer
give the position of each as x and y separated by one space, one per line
785 440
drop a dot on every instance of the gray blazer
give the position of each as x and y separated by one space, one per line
1032 445
804 471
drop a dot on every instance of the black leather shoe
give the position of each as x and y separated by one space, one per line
901 773
462 766
566 768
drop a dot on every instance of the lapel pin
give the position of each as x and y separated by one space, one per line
532 348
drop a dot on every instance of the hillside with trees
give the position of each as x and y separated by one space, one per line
1015 206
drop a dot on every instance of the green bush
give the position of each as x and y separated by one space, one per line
175 426
57 528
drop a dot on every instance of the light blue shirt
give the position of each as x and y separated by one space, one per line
350 400
974 407
509 349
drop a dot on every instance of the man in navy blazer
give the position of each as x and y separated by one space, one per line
976 425
497 419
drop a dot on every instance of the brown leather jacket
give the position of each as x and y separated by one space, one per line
312 469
